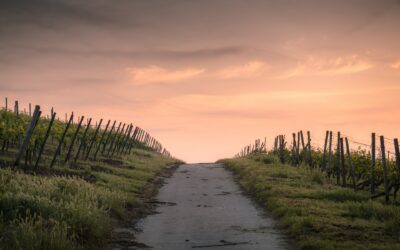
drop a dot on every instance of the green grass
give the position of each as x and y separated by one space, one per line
74 208
315 212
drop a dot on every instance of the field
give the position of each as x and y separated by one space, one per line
313 210
70 203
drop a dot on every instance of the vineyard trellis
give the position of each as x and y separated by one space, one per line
43 140
367 167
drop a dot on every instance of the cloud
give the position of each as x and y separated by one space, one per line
248 70
395 65
156 74
330 66
148 53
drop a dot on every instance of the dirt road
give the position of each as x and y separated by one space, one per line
202 207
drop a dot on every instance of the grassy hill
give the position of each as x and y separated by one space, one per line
314 211
74 203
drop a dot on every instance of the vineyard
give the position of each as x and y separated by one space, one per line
338 194
363 167
49 141
65 184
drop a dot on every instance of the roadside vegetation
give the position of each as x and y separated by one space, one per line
75 202
313 210
72 209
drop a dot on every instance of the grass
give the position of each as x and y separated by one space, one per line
315 212
72 208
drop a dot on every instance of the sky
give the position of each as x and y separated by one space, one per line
208 77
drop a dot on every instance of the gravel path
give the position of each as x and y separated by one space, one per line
202 207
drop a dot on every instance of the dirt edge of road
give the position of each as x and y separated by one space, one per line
123 234
289 241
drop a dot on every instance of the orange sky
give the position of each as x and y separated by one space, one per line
207 77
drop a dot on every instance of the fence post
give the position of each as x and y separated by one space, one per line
132 141
385 170
83 140
16 108
113 138
61 141
303 147
126 141
108 137
337 165
117 141
352 173
101 140
330 154
373 151
342 163
310 161
73 139
294 150
45 139
121 140
302 140
6 104
281 148
324 154
396 149
28 135
93 139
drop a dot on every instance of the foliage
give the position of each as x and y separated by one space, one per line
316 212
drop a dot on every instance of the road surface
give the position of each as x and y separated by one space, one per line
202 207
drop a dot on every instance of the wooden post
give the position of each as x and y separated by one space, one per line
93 139
265 144
282 147
298 148
294 150
28 135
83 141
125 138
138 139
131 141
396 150
352 173
30 109
101 139
108 137
385 170
141 134
119 139
337 165
16 108
114 138
125 141
342 163
310 161
73 139
45 139
302 141
61 141
323 165
373 163
135 134
6 104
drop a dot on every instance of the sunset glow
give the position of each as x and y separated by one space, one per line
207 77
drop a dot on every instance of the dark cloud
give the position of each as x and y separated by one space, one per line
50 13
193 54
